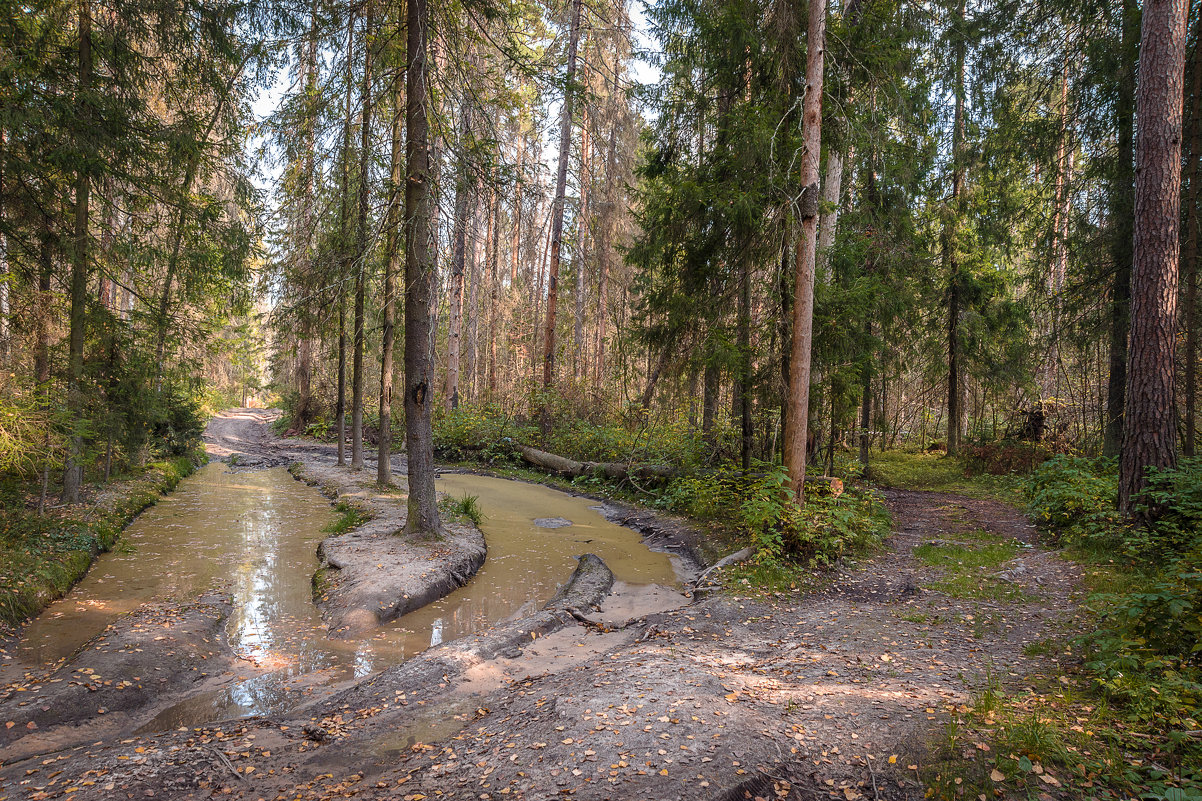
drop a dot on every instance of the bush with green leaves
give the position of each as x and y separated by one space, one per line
1074 498
759 505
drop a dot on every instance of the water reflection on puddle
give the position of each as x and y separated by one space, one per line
255 534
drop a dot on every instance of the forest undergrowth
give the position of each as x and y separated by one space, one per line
43 554
1117 716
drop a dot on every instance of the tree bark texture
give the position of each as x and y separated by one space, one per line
344 249
1122 211
73 470
463 211
392 266
1149 425
1189 253
557 208
797 421
362 245
955 397
419 281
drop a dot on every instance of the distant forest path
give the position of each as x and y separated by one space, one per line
247 433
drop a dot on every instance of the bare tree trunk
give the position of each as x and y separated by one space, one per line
473 305
1189 262
361 249
710 384
463 211
1149 426
303 412
515 242
1122 212
951 259
581 251
744 380
5 275
344 248
866 415
605 253
419 282
828 222
1060 215
494 300
73 469
561 182
797 420
392 265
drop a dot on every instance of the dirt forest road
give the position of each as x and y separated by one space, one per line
247 433
836 693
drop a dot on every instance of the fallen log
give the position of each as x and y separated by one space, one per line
613 470
738 556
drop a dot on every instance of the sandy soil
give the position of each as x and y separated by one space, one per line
823 694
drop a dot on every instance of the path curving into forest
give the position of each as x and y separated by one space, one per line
247 433
834 693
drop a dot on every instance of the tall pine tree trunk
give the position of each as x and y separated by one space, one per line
1060 218
1149 425
797 420
73 470
557 210
605 254
1189 253
1122 212
951 258
745 377
362 246
494 289
419 281
303 412
581 251
344 248
5 273
392 265
463 212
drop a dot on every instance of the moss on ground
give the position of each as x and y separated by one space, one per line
936 472
41 557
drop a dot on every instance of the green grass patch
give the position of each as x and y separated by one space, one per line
939 473
349 516
967 568
772 578
41 557
1059 737
465 508
965 558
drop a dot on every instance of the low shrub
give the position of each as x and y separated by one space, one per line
1074 498
1005 457
826 528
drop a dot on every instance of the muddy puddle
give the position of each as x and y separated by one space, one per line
254 534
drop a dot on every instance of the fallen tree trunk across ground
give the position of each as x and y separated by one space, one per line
613 470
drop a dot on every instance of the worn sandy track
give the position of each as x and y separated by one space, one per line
796 696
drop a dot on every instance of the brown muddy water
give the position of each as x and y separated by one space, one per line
254 535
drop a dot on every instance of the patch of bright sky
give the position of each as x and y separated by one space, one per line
268 98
